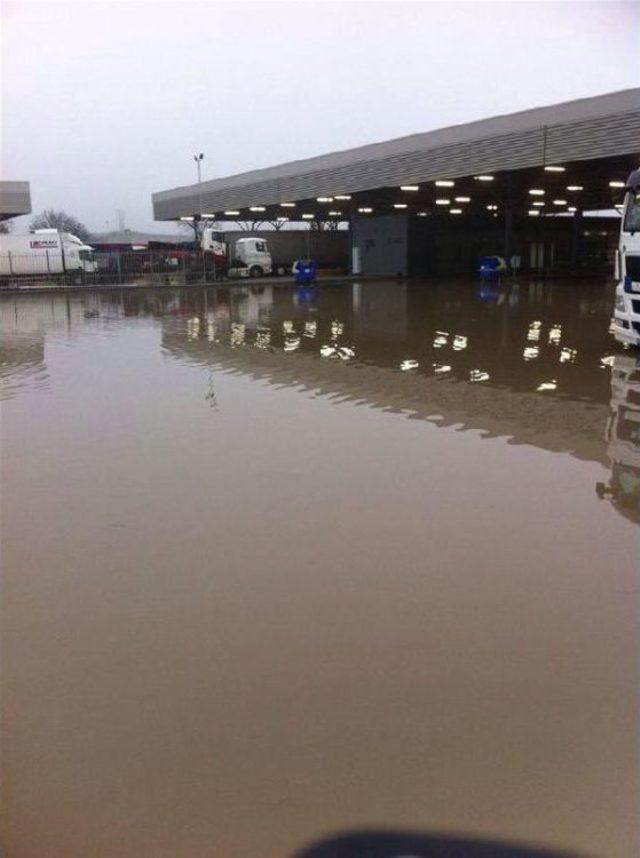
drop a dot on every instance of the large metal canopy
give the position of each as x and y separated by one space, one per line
15 199
596 140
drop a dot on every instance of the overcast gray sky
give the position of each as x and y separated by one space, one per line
104 103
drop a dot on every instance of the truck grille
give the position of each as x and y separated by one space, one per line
632 265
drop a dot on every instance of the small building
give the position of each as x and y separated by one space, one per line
15 199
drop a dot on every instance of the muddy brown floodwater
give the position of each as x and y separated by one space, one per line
281 565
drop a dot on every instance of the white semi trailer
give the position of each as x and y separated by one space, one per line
625 324
44 252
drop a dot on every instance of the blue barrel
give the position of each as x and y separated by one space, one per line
306 271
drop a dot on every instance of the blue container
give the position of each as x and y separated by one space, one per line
306 271
491 266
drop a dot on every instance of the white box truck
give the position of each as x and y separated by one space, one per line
44 252
625 324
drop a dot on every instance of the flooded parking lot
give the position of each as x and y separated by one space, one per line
284 564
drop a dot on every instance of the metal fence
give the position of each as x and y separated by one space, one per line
152 267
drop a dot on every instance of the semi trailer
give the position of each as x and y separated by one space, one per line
625 324
275 251
44 252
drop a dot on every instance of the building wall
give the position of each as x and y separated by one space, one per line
15 199
382 243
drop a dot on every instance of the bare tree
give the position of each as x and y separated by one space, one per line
51 219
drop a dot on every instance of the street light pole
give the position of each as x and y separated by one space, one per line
198 159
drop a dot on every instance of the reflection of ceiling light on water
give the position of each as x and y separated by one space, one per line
237 334
607 361
547 385
263 339
555 334
478 375
441 367
531 352
567 355
193 328
333 351
459 342
310 329
337 329
533 333
287 327
291 344
211 331
441 339
409 364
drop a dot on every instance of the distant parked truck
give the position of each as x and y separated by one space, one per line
275 251
44 252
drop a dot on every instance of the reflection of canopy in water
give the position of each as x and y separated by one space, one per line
547 422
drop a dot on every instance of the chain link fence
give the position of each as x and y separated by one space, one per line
111 268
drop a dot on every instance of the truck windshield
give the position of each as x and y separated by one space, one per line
632 214
86 255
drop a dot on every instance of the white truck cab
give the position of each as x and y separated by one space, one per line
252 254
625 325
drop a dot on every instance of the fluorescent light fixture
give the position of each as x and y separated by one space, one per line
422 214
187 219
575 188
287 205
256 208
307 217
616 184
534 212
555 169
538 203
335 214
399 205
409 188
232 213
444 183
537 192
572 209
365 210
208 215
485 178
282 219
492 208
342 197
559 202
443 202
463 199
455 211
324 199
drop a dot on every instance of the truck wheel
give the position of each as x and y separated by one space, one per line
255 271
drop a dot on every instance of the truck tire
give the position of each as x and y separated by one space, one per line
256 271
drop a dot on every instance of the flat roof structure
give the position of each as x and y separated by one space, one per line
15 199
127 237
590 142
